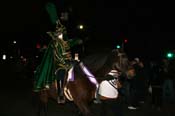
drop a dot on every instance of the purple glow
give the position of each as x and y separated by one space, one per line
89 75
71 75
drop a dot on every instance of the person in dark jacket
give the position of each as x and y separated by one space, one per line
156 82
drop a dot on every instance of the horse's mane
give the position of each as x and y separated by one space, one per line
95 61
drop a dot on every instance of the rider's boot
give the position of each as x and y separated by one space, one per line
61 97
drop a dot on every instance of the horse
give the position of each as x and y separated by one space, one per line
81 90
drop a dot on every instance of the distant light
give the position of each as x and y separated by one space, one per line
170 55
38 46
36 56
11 57
81 27
125 40
14 42
118 46
4 57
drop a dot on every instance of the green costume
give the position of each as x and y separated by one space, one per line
54 58
44 74
56 54
51 9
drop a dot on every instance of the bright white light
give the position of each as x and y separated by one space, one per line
76 57
14 42
4 57
60 36
80 26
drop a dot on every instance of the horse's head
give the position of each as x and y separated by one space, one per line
119 61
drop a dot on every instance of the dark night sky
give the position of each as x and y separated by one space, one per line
147 24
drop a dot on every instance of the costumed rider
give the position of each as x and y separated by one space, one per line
108 94
56 62
62 57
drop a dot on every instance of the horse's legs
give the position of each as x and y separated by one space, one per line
84 108
39 110
45 109
36 102
43 103
42 108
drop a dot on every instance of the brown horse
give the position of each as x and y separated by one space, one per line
82 91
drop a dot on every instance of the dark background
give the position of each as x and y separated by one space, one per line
148 25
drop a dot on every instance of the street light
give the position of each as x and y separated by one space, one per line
169 55
125 41
81 27
14 42
4 57
117 46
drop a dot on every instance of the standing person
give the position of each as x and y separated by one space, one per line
130 87
156 82
140 80
56 62
109 95
168 86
